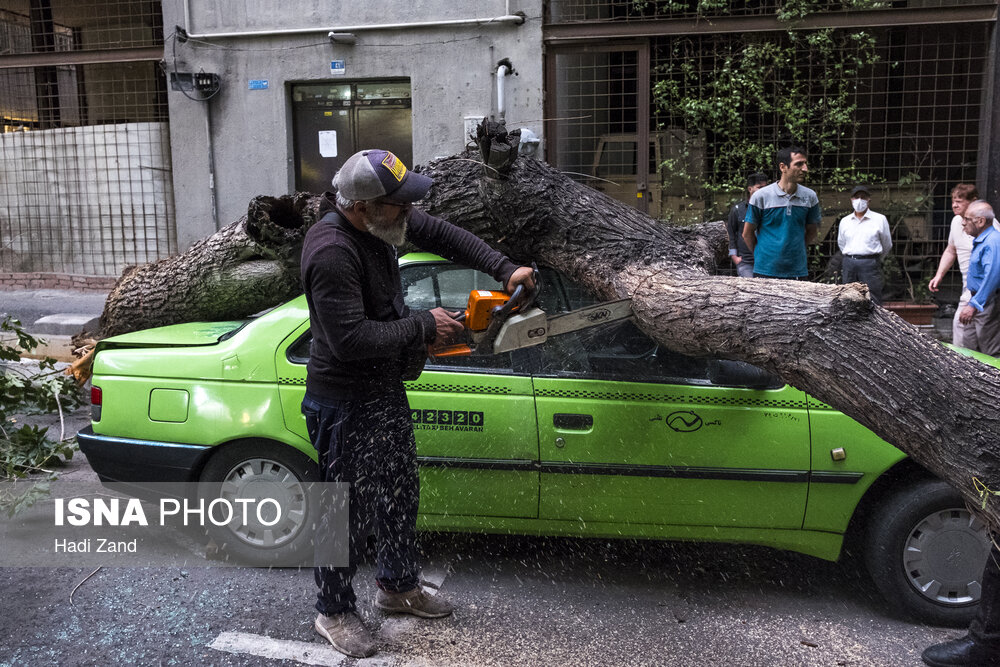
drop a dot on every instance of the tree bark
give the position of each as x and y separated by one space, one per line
831 341
245 267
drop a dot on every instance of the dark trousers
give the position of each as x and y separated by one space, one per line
369 445
865 271
985 627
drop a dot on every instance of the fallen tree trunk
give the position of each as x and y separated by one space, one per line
830 341
245 267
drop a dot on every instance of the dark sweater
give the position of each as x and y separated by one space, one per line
360 326
734 227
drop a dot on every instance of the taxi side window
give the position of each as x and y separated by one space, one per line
298 352
621 351
427 286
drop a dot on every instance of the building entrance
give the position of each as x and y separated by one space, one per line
332 121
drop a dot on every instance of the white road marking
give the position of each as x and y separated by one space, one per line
245 643
306 653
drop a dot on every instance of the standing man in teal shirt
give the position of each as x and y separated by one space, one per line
782 219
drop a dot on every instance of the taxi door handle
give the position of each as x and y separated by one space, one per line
572 421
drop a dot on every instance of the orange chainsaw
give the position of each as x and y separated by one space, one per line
498 322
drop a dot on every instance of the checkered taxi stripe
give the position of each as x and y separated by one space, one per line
746 401
427 386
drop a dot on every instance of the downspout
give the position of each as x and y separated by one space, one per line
506 19
213 199
502 71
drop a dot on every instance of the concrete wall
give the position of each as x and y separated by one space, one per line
451 72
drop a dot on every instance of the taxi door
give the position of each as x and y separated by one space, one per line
631 432
473 417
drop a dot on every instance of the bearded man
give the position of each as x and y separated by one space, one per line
363 339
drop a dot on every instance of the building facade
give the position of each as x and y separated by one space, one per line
133 129
900 95
293 102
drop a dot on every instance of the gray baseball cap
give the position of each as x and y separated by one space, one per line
373 173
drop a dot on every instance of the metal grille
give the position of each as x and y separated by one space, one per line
914 131
86 185
596 95
584 11
37 26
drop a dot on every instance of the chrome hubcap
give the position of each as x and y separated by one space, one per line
944 556
258 479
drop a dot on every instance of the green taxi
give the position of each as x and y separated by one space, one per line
597 433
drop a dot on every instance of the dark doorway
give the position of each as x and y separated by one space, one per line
332 121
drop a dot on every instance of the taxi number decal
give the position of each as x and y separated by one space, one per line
447 420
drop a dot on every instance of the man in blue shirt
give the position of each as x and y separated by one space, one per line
984 277
782 219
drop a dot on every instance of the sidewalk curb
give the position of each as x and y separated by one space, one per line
67 324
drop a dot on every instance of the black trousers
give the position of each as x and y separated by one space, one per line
985 627
865 271
369 445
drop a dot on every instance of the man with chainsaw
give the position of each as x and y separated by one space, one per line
364 342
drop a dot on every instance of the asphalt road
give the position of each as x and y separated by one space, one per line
521 601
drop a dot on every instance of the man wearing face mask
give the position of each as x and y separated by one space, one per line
355 406
864 240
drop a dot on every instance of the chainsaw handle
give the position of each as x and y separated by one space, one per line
521 299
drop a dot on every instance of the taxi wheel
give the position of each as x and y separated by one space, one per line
926 553
262 469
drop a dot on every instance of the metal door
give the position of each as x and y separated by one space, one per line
332 121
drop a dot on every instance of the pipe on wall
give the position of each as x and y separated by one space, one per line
506 19
501 102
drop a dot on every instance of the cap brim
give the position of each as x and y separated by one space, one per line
414 187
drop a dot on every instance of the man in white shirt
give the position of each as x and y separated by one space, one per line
960 248
864 240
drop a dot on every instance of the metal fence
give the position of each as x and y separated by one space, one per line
85 186
573 11
913 128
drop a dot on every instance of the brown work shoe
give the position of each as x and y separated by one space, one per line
347 634
415 602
